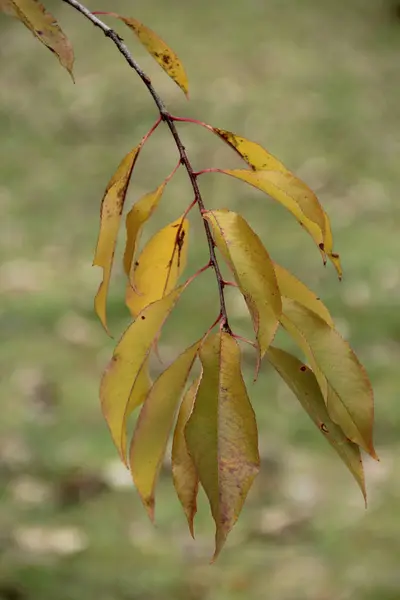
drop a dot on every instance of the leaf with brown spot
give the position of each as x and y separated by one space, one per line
252 153
350 403
163 54
124 385
260 159
253 271
43 26
221 434
110 216
135 219
328 248
290 191
185 477
301 380
155 423
159 267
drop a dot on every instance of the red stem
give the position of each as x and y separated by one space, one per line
151 130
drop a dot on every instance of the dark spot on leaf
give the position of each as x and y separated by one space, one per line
335 255
179 242
303 368
143 317
318 298
321 246
323 428
136 263
166 59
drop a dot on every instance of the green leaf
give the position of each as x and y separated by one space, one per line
159 266
186 480
304 385
135 219
123 385
221 434
43 26
112 206
155 423
253 271
350 403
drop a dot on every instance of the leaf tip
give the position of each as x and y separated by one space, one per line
149 505
191 525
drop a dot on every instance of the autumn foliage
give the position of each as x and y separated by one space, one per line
210 415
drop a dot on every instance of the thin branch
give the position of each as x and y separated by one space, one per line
170 121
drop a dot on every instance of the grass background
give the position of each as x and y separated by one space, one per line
318 84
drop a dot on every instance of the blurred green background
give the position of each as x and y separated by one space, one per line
317 83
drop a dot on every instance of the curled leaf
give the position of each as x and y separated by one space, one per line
123 386
43 26
186 480
253 271
112 206
301 380
155 423
221 434
135 219
351 405
159 266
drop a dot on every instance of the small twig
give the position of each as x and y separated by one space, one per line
170 121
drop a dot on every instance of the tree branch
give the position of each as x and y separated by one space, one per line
170 121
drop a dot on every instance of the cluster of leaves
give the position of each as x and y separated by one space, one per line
213 424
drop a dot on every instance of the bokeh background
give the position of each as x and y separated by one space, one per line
317 83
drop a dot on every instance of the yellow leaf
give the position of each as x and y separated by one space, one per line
260 159
123 385
293 288
159 266
155 423
110 216
253 271
166 58
221 434
135 219
352 391
302 343
186 480
7 7
328 248
43 26
292 193
252 153
304 385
